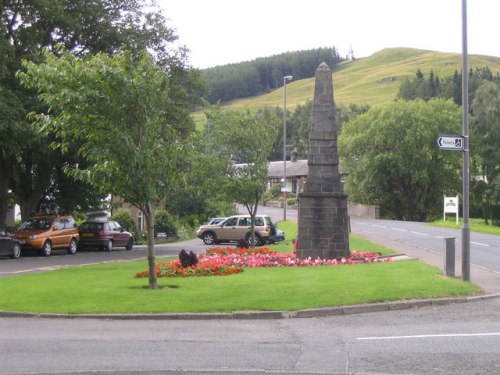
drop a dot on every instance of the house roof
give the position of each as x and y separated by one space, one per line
296 168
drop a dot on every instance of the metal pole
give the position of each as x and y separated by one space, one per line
285 78
465 171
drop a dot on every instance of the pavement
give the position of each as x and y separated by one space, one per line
488 281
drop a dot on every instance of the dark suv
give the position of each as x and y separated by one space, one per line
104 235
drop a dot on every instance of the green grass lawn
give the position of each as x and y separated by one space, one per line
111 288
476 225
355 243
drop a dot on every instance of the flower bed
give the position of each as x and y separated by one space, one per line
219 261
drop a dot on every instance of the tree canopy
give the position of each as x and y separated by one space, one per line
240 143
114 108
392 159
28 167
485 139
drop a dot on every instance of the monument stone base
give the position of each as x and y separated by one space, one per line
323 225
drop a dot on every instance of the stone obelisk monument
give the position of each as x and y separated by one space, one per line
323 218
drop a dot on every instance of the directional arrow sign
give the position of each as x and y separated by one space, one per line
450 142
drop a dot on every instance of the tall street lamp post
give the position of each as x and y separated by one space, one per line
284 189
465 133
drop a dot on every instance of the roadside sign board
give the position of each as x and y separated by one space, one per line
450 142
451 206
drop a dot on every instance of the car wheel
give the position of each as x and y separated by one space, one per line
256 240
47 249
130 244
208 238
16 251
72 246
109 245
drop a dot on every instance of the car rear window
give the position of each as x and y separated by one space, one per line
91 227
259 222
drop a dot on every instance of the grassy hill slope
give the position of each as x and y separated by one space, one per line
371 80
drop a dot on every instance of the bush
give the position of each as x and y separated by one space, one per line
165 223
275 191
126 221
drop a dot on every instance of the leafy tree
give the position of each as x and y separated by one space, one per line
299 126
115 106
392 160
420 88
247 139
486 138
28 166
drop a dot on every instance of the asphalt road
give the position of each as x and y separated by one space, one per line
453 339
484 248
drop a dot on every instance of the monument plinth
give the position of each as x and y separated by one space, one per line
323 221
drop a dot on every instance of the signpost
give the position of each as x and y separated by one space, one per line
457 142
451 142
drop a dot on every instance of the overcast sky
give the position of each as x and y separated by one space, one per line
219 32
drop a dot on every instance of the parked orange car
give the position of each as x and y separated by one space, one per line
44 233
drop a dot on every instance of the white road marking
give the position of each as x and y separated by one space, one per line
480 244
400 230
430 336
422 234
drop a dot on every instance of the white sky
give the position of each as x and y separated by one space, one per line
219 32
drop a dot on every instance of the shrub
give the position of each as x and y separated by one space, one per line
164 223
126 221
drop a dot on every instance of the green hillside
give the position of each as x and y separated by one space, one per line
371 80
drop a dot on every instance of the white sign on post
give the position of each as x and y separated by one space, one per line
450 207
451 142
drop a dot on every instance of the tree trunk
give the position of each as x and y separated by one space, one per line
148 215
5 176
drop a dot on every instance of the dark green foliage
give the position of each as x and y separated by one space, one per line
125 220
255 77
28 166
449 87
164 223
392 160
484 92
485 140
299 126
